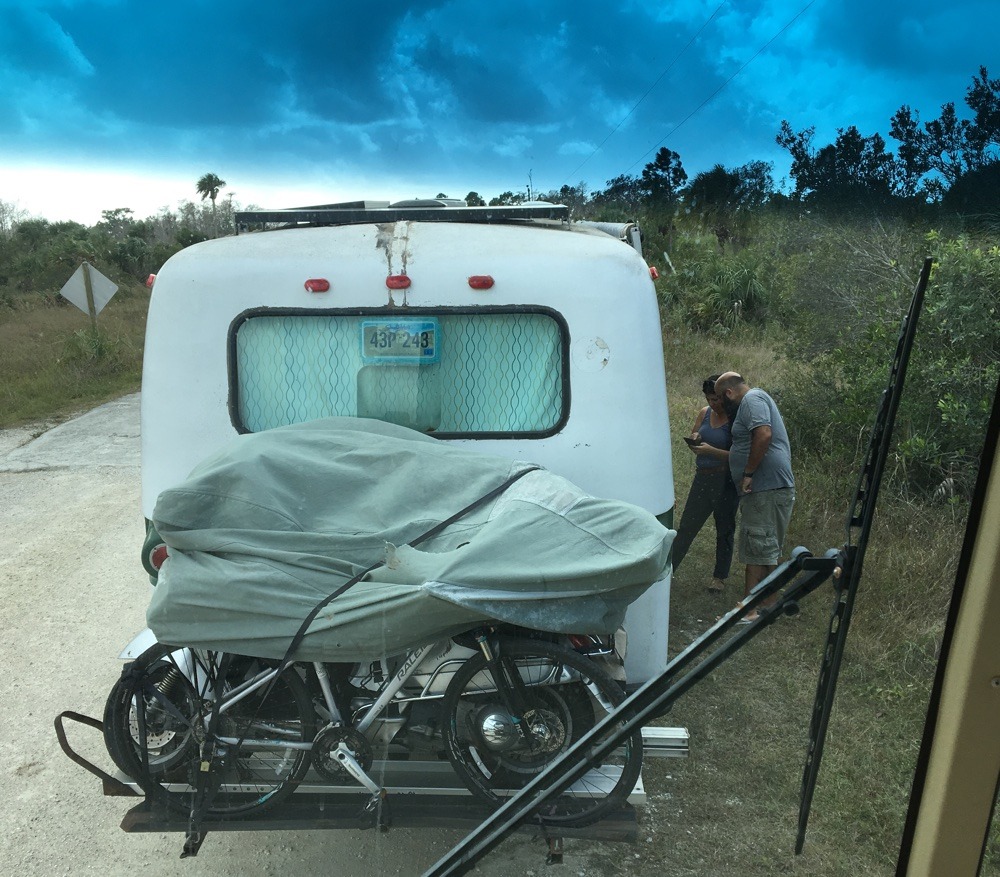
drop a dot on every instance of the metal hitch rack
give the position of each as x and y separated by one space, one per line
411 786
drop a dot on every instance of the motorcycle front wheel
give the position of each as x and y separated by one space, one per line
499 741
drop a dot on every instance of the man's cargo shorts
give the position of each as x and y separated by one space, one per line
764 521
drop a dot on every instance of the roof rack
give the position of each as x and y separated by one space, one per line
423 210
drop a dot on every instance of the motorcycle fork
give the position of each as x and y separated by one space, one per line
509 684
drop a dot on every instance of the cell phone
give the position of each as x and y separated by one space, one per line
692 442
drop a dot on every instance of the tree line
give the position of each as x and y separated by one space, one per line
948 162
37 256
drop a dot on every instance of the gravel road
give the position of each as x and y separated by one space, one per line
73 594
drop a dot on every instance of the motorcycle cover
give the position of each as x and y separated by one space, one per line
265 529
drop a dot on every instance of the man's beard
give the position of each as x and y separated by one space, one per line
731 407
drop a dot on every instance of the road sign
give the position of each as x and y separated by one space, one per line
89 290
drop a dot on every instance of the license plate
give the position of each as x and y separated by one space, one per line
402 341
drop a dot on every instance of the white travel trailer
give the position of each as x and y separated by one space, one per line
507 328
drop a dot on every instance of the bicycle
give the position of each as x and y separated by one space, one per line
259 729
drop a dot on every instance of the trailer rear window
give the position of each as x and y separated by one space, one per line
487 373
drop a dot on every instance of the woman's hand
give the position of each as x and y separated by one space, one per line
707 450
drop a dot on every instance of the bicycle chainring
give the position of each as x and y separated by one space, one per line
324 757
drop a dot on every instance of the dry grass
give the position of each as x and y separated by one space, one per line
690 360
51 365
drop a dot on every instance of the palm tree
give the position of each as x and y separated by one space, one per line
208 187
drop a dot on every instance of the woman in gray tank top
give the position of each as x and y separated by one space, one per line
712 490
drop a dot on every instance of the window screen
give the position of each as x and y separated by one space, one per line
488 372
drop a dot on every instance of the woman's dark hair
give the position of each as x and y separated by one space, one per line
708 386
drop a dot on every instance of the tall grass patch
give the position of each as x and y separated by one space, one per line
732 806
53 363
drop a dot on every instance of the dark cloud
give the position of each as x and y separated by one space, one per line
234 63
481 86
542 62
913 38
921 54
33 45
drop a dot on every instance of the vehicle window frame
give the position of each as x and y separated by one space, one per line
562 326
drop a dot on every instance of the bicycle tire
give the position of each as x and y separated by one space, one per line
567 694
176 689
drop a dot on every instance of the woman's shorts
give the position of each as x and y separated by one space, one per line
764 521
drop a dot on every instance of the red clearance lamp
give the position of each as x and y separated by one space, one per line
481 281
317 284
158 555
397 281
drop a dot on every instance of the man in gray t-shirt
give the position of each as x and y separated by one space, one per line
760 462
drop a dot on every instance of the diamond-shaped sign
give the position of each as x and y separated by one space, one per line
75 289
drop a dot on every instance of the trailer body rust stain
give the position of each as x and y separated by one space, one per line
393 239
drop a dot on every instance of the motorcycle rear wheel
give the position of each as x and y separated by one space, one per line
174 689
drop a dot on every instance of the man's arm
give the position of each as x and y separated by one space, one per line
760 441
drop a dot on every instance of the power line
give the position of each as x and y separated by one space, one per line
646 94
715 93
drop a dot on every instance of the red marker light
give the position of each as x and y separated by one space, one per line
157 556
653 273
481 281
150 281
397 281
317 284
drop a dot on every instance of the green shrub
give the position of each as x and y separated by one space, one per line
716 292
952 374
94 352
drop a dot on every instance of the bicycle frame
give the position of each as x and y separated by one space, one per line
392 686
263 679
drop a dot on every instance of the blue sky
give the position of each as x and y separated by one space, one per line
125 103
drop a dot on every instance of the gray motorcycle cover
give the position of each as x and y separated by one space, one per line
264 530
